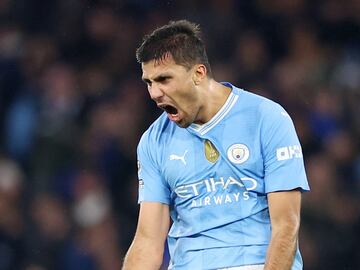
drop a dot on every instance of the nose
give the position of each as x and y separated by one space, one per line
155 92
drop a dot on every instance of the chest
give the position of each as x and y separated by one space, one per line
217 160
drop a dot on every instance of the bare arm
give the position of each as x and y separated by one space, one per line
284 210
147 248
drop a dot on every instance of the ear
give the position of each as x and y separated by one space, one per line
200 73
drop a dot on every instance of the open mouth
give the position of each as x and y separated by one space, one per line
169 109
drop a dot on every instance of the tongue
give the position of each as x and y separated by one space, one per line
173 117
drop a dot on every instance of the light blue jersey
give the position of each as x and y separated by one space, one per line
215 178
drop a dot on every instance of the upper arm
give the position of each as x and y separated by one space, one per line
153 222
283 159
284 208
152 185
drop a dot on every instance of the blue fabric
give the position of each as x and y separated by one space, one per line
219 209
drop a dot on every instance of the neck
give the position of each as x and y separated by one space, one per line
214 96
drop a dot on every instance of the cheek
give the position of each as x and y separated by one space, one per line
187 99
189 92
179 92
190 102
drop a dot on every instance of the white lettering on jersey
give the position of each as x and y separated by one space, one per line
212 185
220 199
288 152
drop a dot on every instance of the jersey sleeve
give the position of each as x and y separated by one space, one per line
152 186
282 154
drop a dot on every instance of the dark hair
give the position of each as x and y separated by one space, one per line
181 39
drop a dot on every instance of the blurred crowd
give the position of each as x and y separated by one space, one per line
73 107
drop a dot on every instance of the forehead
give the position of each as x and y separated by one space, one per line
155 68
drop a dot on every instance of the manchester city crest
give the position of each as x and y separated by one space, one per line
238 153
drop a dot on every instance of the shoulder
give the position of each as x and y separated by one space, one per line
263 104
262 107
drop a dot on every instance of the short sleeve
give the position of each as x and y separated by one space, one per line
152 186
282 153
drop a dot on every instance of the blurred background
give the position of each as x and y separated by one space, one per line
73 107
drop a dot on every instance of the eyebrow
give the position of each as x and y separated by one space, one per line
159 78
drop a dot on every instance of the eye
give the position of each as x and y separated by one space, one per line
163 79
147 82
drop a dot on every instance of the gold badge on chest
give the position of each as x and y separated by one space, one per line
211 153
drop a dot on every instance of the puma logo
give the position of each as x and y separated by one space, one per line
176 157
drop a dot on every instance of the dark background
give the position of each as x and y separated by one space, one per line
73 107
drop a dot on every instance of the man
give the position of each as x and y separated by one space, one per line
224 163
